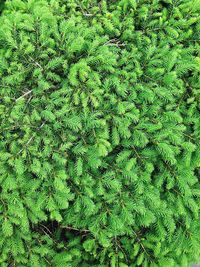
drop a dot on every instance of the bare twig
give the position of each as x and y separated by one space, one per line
29 99
189 136
138 156
88 14
42 125
118 44
31 138
120 247
25 94
49 233
75 229
36 63
47 229
114 42
141 244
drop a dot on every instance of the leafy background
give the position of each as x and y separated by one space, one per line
100 133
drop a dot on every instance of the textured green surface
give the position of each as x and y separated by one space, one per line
99 135
1 5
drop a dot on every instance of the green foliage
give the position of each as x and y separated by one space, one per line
100 133
2 2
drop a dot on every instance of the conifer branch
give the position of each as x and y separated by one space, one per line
141 244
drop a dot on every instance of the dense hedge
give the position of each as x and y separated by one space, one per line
100 131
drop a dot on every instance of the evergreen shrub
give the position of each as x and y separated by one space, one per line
100 133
